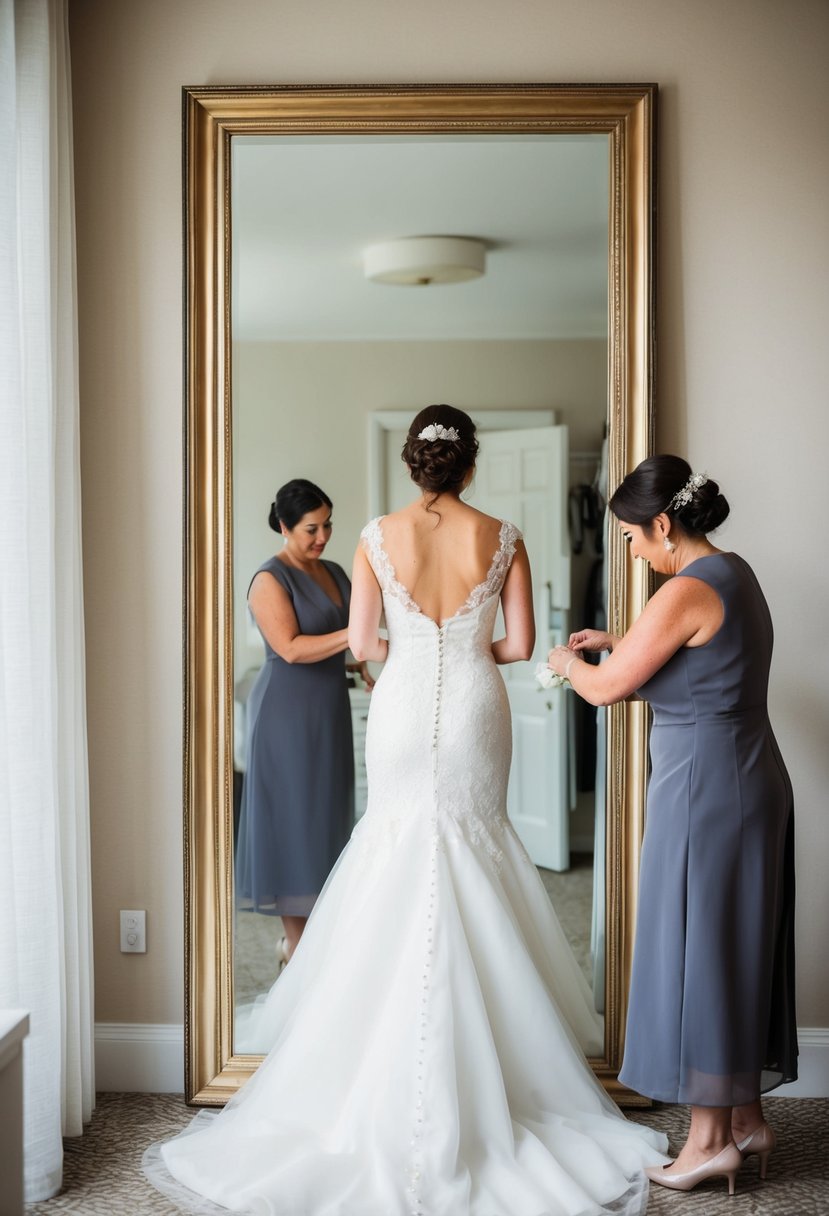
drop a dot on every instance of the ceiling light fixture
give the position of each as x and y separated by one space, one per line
419 261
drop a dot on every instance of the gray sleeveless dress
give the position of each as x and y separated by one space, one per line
298 794
711 1019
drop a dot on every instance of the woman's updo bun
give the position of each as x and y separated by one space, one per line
440 466
295 499
652 489
706 510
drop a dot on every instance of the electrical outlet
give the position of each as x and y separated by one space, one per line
133 932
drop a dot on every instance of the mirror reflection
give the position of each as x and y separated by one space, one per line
329 367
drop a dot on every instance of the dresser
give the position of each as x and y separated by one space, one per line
14 1026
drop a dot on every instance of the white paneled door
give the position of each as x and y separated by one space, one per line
522 475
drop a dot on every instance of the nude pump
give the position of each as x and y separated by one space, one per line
761 1141
725 1164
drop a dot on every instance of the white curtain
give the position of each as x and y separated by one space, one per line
45 901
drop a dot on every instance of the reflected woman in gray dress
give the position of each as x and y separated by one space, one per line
711 1018
298 796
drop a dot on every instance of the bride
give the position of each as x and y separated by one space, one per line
428 1034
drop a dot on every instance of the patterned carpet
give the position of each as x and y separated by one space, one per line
102 1175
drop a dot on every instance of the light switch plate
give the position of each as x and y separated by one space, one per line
133 932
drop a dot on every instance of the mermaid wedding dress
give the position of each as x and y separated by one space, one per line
427 1035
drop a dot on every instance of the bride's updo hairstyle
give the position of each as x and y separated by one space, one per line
440 466
295 499
664 484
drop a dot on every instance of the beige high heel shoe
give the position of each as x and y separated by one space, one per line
762 1141
725 1164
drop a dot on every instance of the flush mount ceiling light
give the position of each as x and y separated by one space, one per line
418 261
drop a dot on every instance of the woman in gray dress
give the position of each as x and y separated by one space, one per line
711 1018
298 795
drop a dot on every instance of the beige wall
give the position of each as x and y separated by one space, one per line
743 284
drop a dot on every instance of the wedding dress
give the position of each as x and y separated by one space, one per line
427 1035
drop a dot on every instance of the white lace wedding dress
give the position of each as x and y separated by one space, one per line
426 1034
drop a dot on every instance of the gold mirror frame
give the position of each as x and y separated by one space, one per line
212 116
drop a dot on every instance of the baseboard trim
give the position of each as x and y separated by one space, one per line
134 1057
813 1065
137 1057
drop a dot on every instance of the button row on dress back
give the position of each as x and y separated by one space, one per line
416 1167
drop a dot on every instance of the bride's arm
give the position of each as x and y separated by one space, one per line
517 606
366 609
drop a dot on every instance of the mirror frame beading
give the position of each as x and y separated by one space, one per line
212 116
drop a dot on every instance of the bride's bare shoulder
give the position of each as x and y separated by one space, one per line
398 521
485 521
415 520
484 528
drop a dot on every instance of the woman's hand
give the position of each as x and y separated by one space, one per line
561 660
361 669
594 640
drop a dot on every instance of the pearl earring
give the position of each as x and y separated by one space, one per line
669 544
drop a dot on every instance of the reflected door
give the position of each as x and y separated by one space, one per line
522 476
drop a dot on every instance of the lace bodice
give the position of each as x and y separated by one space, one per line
372 541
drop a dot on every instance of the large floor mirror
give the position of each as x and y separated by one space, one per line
303 360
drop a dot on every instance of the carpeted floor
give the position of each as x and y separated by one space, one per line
102 1175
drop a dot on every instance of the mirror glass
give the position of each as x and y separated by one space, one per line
329 367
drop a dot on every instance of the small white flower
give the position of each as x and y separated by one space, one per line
547 678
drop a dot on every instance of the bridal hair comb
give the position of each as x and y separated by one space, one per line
684 496
436 431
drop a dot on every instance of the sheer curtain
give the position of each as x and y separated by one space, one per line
45 912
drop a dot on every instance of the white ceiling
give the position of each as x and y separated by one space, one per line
303 210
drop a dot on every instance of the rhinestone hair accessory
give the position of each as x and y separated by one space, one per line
436 431
684 496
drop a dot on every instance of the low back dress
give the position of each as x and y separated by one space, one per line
298 793
711 1018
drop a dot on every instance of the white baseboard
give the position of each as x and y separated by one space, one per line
136 1057
140 1058
813 1065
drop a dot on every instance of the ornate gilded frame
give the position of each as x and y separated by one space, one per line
211 118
